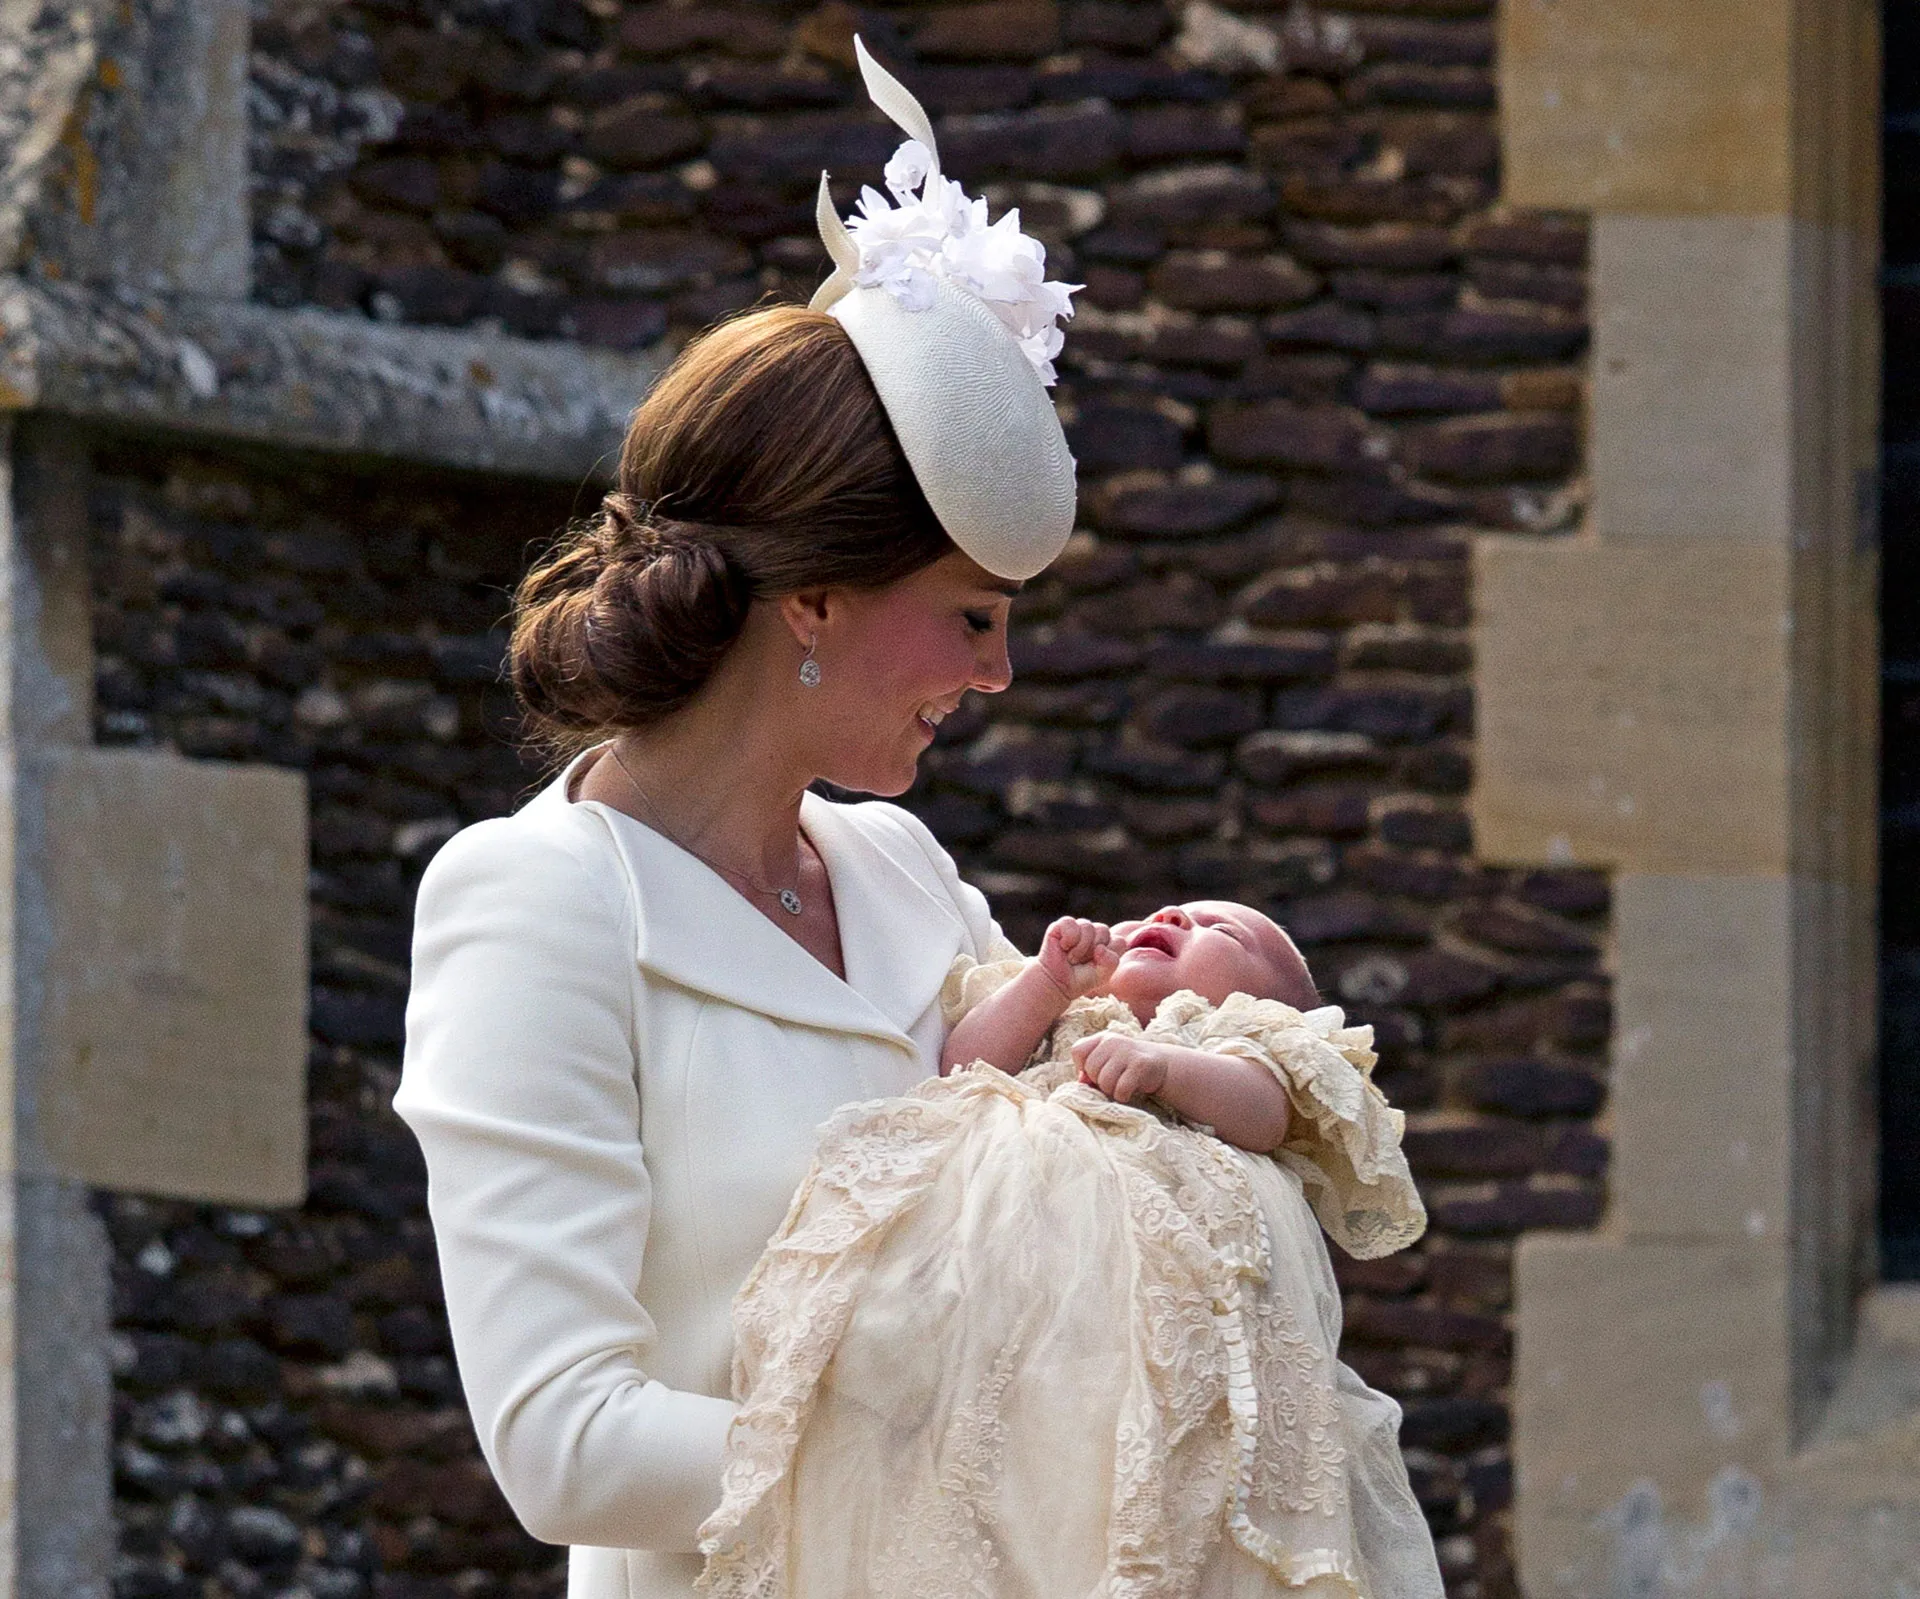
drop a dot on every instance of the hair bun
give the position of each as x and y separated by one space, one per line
631 624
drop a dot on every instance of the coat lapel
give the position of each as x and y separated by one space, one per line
897 938
899 930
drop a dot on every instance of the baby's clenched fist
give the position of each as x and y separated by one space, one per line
1078 955
1124 1069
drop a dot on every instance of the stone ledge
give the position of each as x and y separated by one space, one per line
317 380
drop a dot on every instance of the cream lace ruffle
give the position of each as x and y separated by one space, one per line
1344 1144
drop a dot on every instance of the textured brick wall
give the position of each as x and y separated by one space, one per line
1312 356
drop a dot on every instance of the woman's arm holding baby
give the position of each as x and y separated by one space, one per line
1239 1099
1005 1028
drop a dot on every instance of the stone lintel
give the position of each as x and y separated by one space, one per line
1632 704
175 1022
317 380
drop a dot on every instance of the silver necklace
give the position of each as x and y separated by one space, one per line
789 898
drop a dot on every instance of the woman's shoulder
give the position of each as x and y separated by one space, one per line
893 830
550 854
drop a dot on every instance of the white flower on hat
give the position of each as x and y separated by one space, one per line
931 229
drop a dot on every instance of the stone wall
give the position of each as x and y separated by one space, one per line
1313 356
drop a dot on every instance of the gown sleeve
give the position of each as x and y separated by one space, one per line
1344 1140
520 1083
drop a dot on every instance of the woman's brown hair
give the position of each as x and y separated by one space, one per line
760 464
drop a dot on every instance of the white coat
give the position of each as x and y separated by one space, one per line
615 1067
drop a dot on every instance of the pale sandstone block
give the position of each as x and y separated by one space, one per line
1703 1052
1631 704
175 1043
1643 1372
1644 105
1694 396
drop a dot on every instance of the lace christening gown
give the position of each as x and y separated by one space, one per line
1016 1341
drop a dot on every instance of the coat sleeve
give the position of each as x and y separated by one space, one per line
520 1084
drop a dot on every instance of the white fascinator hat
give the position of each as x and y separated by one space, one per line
958 326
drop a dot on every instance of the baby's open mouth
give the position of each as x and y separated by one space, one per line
1154 938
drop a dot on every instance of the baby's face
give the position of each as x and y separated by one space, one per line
1213 947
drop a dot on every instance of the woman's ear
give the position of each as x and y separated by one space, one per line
805 614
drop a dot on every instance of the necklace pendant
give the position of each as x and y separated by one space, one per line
790 902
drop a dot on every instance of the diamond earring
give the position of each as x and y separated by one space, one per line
810 668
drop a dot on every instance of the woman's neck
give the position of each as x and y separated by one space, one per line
716 778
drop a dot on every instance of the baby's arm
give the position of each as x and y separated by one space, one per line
1075 958
1239 1099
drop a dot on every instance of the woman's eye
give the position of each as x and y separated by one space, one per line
979 621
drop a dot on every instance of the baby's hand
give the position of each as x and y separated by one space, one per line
1078 956
1123 1068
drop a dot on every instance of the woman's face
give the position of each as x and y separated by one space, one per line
895 661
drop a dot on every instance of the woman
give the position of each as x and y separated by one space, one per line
636 999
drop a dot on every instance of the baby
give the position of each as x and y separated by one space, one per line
1062 1322
1213 948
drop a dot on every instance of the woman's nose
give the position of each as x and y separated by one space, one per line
992 671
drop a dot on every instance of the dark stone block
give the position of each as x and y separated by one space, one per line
1058 142
1145 505
1346 917
630 324
1391 246
1280 433
1404 1321
1105 857
1125 437
1409 83
1525 930
990 30
263 1536
1497 448
1212 280
1407 648
1324 594
1265 662
313 1324
642 133
957 91
1305 378
1111 288
1424 825
1428 43
358 1018
1545 238
1112 25
1197 717
406 182
1566 891
1156 767
630 197
758 86
1254 871
1327 325
240 1370
1503 330
531 137
1184 133
1418 875
793 150
1477 1149
1533 1087
663 30
1054 656
1188 196
1329 810
1393 389
1448 144
1577 1152
518 196
1392 713
1394 291
1275 758
660 259
1453 1423
1501 1210
1563 286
